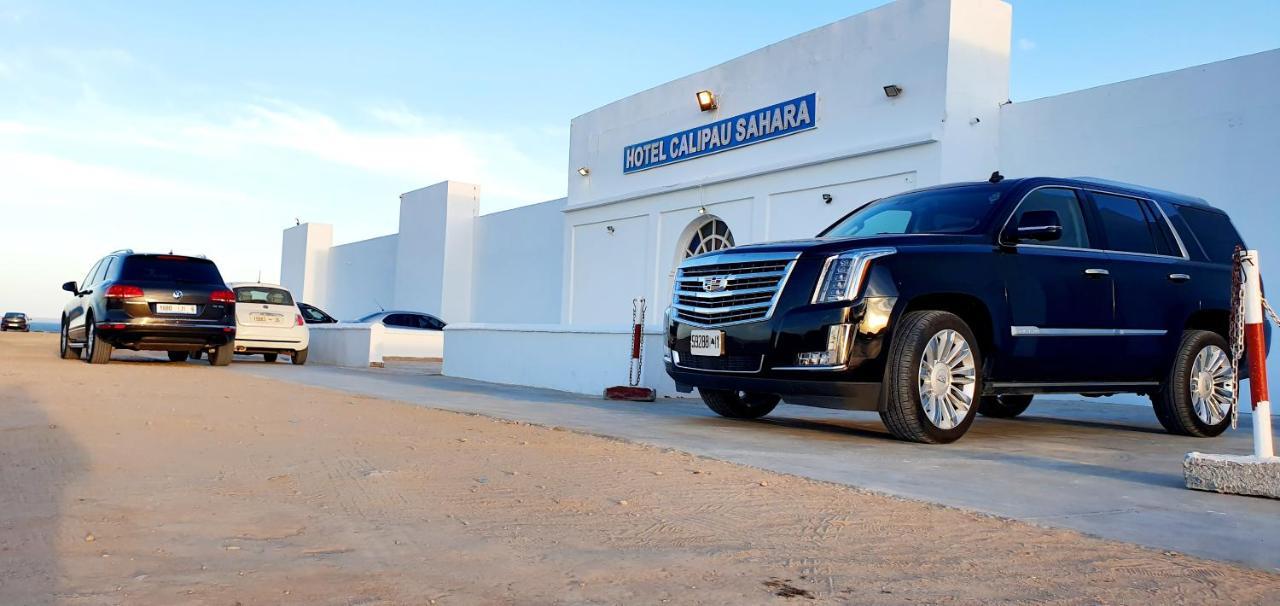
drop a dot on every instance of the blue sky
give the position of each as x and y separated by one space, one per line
209 127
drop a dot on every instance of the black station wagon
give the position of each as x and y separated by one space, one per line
935 304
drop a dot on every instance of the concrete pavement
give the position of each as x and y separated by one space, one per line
1104 469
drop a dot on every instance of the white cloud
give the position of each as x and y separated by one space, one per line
1026 44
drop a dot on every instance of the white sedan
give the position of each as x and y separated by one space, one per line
268 322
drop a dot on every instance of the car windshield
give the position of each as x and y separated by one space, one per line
954 210
263 294
370 317
170 268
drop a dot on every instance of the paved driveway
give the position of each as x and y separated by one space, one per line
1104 469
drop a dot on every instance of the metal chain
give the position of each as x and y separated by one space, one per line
636 365
1275 318
1236 336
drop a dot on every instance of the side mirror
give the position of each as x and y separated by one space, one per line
1038 225
70 287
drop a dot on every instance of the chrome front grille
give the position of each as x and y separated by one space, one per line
715 290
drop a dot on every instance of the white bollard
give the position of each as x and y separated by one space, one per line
1256 351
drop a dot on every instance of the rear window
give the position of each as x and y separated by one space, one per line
1214 232
262 294
12 315
166 268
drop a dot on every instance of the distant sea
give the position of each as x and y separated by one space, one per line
44 326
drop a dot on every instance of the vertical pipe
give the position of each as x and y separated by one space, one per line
1256 350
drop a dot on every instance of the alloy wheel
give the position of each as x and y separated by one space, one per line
1212 385
947 379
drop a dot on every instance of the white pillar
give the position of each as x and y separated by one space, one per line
304 257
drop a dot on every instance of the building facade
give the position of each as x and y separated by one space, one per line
795 135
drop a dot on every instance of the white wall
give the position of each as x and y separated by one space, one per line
304 254
434 252
362 345
360 278
518 271
1211 131
578 359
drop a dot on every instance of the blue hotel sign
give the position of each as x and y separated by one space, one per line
778 120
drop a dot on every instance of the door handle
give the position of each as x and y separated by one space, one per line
1096 273
1179 278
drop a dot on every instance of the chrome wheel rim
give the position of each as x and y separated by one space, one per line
88 346
947 379
62 339
1212 385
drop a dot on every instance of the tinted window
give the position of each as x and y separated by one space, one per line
1063 202
166 268
313 314
1126 224
1213 232
88 278
12 315
954 210
433 323
263 294
104 271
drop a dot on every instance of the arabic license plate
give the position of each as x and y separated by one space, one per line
706 342
175 308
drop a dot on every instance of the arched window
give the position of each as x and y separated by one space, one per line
711 236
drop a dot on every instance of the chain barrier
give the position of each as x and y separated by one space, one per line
636 364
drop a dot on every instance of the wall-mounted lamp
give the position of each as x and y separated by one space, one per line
702 210
609 228
826 198
892 90
584 171
706 100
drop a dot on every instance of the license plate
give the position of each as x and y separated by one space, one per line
175 308
706 342
265 318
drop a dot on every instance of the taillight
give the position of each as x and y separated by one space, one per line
123 291
223 296
299 321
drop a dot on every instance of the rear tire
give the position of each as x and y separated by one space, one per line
299 357
221 356
936 348
97 350
270 358
739 404
1181 406
179 356
64 344
1004 407
197 354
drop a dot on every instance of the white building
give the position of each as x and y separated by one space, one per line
542 295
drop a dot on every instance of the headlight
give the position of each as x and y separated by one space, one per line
843 274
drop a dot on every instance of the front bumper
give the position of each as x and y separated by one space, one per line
170 335
763 356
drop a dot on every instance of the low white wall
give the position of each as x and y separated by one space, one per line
578 359
359 345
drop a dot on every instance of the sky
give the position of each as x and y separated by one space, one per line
207 128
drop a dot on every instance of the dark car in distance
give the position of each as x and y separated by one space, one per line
314 315
414 320
935 304
14 320
157 302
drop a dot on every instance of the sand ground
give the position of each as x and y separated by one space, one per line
148 482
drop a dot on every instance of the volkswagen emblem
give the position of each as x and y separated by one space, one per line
715 283
177 294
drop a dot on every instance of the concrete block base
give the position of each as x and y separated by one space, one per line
1234 474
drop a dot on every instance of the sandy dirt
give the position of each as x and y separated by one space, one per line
160 483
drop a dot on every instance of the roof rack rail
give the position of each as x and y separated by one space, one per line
127 251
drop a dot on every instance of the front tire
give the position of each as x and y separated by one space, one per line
97 349
1195 399
933 378
221 356
298 358
739 404
1004 407
64 344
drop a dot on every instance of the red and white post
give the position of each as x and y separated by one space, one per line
1256 351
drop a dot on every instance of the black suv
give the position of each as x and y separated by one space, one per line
935 304
171 303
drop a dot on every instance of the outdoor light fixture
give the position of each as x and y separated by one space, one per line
702 210
706 100
584 171
892 90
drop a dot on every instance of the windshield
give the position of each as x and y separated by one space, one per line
371 317
954 210
263 294
170 268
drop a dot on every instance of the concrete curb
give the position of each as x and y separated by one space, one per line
1233 474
